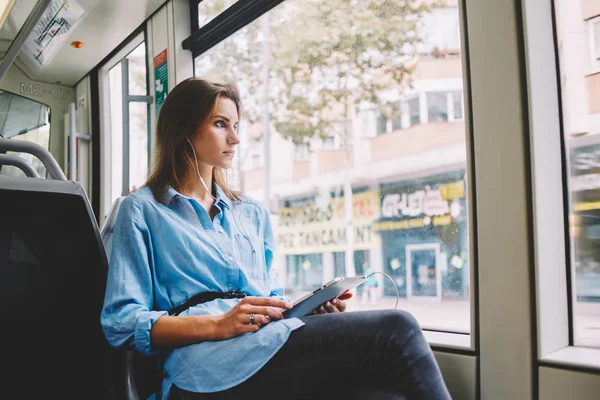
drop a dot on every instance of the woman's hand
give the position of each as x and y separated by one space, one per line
249 315
336 305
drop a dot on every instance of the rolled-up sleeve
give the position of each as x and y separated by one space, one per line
127 316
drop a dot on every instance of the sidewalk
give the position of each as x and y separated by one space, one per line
454 316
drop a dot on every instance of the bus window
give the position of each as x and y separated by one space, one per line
24 119
129 138
578 32
365 123
208 9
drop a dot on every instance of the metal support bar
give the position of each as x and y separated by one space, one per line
20 163
125 119
19 41
22 146
73 137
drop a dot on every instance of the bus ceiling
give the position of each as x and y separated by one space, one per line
36 35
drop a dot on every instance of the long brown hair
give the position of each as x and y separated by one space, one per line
187 108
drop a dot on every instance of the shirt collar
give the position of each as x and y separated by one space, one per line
222 199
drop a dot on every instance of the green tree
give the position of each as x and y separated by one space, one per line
333 56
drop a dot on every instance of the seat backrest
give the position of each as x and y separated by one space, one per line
52 281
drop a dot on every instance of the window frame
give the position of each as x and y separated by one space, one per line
106 184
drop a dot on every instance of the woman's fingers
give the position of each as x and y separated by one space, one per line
340 304
272 313
331 308
266 301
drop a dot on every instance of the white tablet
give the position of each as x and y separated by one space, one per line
334 288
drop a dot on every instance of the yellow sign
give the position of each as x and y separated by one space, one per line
411 223
586 206
305 230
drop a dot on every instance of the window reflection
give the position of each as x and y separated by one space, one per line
364 175
24 119
577 34
208 9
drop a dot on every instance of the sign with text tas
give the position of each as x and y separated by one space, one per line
161 79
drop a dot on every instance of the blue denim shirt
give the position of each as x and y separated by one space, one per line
164 254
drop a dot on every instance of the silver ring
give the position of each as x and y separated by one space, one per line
252 315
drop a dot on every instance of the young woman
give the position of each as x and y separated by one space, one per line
187 249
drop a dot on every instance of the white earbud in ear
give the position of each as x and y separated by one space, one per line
198 171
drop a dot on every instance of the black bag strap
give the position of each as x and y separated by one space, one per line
205 297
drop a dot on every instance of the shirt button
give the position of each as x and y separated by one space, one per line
221 231
230 258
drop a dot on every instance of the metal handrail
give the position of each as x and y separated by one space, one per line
22 146
20 163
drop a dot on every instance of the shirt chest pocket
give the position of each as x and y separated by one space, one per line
249 260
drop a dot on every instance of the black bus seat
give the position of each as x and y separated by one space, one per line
52 281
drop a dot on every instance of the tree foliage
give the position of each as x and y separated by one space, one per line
325 57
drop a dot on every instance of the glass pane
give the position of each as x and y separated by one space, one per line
137 71
208 9
320 77
138 144
116 131
580 104
24 119
437 106
414 111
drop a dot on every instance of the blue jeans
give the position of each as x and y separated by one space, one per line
354 355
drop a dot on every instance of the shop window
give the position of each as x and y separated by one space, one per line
414 111
304 272
381 124
329 142
301 152
397 122
437 106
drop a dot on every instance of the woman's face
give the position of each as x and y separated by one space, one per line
215 141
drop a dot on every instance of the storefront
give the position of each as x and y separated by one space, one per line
424 233
314 239
585 220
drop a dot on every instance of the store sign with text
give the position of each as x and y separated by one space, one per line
310 229
419 208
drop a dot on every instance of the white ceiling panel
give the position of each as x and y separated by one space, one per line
103 26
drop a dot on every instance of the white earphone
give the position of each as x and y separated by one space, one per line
198 171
